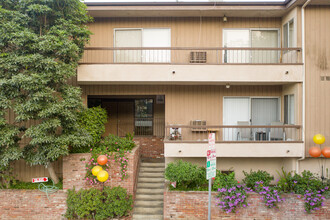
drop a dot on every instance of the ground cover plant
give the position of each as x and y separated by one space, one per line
29 185
307 186
232 194
96 204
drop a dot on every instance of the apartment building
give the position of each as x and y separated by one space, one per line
255 74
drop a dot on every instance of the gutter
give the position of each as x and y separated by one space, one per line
304 81
192 3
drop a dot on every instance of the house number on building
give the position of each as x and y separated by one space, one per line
211 164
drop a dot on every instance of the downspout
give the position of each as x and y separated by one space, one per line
304 81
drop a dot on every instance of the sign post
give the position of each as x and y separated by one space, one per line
211 166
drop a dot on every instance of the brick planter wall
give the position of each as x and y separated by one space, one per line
31 204
151 147
194 205
74 171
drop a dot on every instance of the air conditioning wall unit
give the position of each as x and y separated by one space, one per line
198 123
197 57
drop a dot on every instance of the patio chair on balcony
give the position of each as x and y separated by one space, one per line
276 133
243 133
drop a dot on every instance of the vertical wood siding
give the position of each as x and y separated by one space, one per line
317 64
184 103
185 32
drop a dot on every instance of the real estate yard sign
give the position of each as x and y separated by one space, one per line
211 156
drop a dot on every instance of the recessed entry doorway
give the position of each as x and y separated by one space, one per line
143 116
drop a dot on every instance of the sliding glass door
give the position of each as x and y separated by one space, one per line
248 111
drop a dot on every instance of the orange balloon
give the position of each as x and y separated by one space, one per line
102 160
326 152
315 151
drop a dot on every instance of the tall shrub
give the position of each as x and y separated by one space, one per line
40 45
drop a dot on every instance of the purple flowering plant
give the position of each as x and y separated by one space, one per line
314 199
271 196
230 198
308 187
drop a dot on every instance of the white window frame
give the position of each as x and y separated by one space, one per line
250 33
120 29
250 103
250 37
288 33
291 98
142 35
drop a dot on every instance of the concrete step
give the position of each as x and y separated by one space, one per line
149 191
145 174
149 210
149 197
152 169
151 180
146 203
147 217
150 186
146 164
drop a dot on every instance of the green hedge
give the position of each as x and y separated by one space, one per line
95 204
186 175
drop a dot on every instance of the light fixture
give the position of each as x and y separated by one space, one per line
224 18
227 86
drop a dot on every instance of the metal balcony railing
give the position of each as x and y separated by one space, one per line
190 55
233 133
140 126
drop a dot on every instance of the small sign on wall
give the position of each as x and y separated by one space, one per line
160 99
40 180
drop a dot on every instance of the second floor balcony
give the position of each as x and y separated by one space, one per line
190 64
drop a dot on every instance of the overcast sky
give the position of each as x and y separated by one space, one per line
183 0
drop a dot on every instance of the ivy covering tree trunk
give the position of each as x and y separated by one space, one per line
41 42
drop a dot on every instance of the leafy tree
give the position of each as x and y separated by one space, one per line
41 42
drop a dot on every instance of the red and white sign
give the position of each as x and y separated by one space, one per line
211 158
40 180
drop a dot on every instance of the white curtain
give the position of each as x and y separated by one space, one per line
236 38
264 111
234 110
128 38
156 38
264 38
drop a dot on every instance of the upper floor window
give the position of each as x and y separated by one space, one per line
288 34
255 38
146 38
